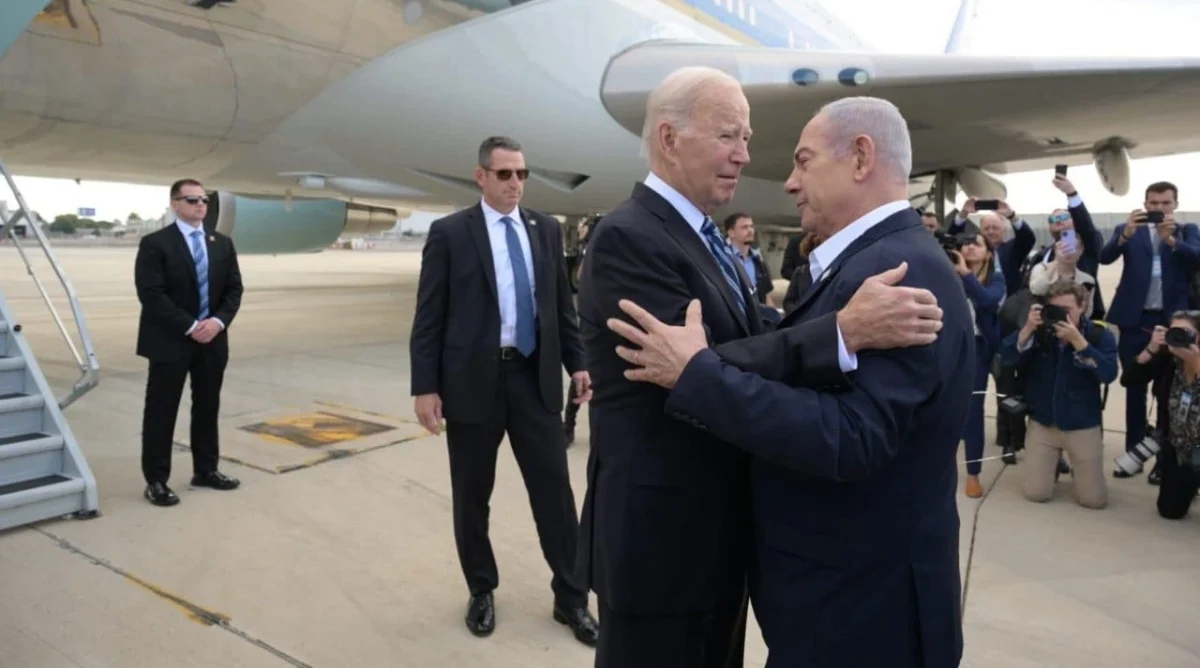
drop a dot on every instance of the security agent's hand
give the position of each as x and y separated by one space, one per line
583 386
882 315
428 408
206 331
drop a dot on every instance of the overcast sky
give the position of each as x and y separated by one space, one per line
1012 27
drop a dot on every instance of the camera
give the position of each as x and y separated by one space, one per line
1014 406
1132 461
1179 337
951 243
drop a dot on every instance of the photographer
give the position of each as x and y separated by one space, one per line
1172 358
985 291
1065 358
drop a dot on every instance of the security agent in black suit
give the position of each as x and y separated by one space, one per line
493 329
190 289
666 528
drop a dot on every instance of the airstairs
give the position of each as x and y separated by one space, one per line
43 473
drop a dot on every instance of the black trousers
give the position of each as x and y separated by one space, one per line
164 389
536 436
1177 488
714 639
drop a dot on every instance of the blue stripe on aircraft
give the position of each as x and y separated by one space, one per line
15 16
771 23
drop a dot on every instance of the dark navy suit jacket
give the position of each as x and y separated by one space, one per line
1137 261
666 526
854 490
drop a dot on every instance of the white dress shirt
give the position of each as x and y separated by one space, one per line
506 285
186 229
695 218
823 256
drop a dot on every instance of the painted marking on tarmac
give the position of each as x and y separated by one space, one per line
316 430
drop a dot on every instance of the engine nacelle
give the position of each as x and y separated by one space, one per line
979 184
1112 164
270 225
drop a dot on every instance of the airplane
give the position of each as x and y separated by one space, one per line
315 119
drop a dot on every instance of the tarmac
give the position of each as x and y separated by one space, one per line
338 549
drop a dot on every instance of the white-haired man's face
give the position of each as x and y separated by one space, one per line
823 183
708 156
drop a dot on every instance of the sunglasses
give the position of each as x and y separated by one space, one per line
193 200
1060 218
506 174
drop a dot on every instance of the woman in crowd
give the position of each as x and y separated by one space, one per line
985 292
1172 361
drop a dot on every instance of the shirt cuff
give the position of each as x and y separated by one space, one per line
1026 346
192 328
847 360
220 323
1074 202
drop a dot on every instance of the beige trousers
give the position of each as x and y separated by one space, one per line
1085 452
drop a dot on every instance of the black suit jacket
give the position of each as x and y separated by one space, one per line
165 276
665 527
854 491
455 342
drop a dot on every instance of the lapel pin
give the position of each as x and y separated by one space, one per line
212 238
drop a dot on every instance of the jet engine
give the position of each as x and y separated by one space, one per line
979 184
270 225
1112 164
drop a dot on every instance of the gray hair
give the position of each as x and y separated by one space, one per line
878 119
491 144
672 101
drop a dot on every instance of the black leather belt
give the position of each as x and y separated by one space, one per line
510 354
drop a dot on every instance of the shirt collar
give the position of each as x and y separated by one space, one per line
693 215
187 228
492 216
822 257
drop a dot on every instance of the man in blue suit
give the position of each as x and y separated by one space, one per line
856 522
1158 259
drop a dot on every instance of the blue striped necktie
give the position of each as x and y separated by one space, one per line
724 258
526 337
201 260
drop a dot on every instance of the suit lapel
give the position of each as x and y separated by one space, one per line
696 249
890 225
184 247
535 249
477 227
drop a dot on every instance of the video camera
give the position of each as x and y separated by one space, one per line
951 243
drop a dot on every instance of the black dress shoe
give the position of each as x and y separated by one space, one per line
481 615
160 495
585 627
215 480
1009 456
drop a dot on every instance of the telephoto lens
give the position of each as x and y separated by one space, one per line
1132 461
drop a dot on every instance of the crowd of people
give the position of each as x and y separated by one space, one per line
1047 340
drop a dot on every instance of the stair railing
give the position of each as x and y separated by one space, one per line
89 368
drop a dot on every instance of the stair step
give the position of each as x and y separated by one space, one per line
40 498
3 326
11 363
13 402
28 444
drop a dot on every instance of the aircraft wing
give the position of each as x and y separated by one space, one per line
1001 114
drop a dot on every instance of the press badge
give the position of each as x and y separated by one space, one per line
1156 268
